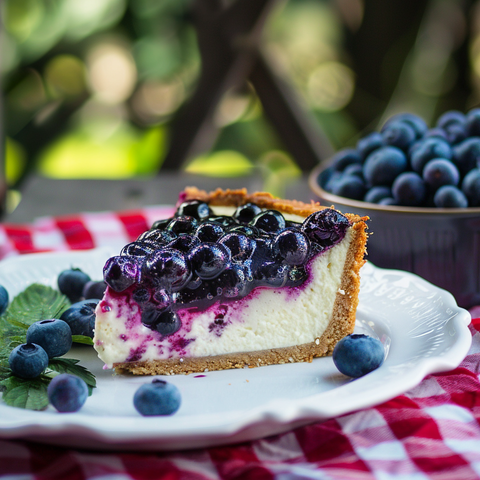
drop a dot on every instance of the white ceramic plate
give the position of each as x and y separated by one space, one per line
422 328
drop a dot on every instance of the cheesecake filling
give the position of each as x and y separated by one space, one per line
265 318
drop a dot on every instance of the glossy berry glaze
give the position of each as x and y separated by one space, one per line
198 261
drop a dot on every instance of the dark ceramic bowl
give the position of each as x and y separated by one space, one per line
440 245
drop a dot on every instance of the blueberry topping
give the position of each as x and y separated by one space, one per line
194 208
158 237
356 355
209 232
157 398
67 393
291 246
4 298
162 300
209 260
270 221
141 295
160 224
182 225
138 249
223 220
247 230
28 360
81 317
245 213
184 242
240 246
54 336
167 267
168 323
325 227
121 272
71 283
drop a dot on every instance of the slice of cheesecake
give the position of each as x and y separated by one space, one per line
232 280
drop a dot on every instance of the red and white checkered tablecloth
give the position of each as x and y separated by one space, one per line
430 432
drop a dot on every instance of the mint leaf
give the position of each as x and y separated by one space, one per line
36 302
82 339
31 394
70 365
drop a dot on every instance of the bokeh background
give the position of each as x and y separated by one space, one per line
91 87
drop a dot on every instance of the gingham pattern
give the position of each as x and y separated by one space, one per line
430 432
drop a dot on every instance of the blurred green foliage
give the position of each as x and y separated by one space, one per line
90 87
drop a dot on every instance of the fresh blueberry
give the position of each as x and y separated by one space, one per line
328 177
157 398
375 194
467 154
436 133
28 360
94 289
54 336
369 143
209 260
471 187
184 242
121 272
456 133
345 157
449 196
71 283
292 246
67 393
414 121
157 237
81 317
399 134
194 208
269 221
160 224
325 227
449 118
350 186
387 201
185 224
428 149
240 246
355 169
167 266
138 249
472 123
245 213
209 232
409 189
356 355
439 172
384 165
4 298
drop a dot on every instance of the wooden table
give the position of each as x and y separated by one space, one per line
45 196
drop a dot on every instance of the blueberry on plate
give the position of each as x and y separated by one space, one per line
81 317
71 283
28 360
67 393
157 398
53 335
357 354
3 299
94 289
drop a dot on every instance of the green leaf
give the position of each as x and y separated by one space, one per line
70 365
82 339
22 393
36 302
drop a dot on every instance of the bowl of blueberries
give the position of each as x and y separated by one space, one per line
420 187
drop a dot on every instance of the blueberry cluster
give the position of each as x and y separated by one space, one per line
196 258
409 164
